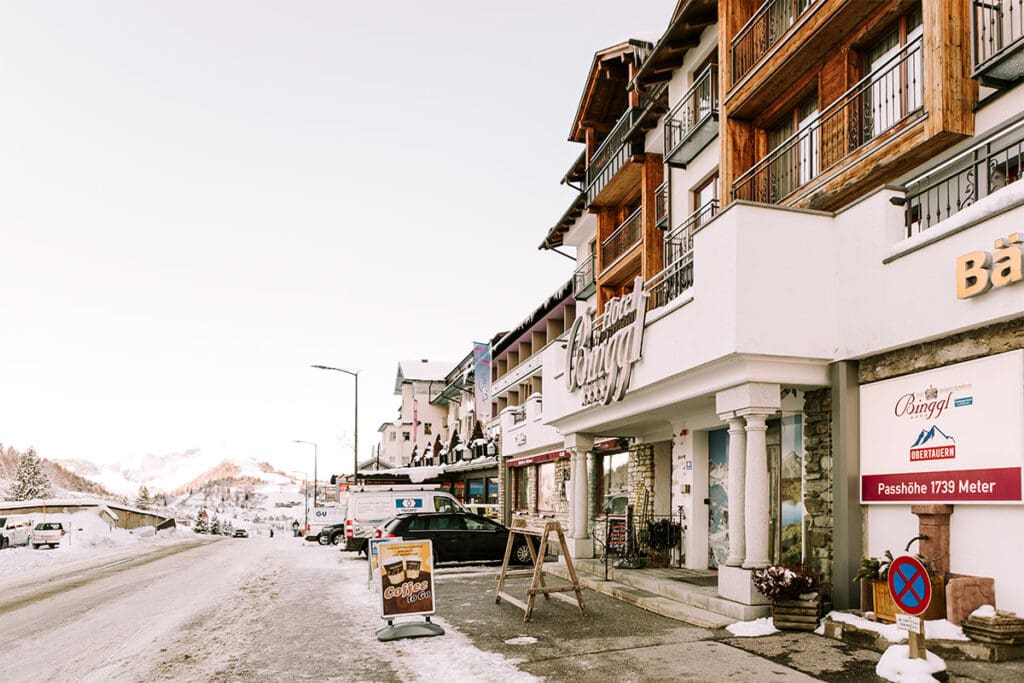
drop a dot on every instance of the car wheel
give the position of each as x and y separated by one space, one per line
337 538
521 554
437 558
52 546
35 546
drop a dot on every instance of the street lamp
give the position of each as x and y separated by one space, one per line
310 443
355 445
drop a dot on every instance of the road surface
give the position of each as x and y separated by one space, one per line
262 609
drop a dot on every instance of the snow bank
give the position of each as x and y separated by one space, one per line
750 629
938 629
897 666
985 611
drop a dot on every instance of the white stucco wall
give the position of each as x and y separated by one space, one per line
984 540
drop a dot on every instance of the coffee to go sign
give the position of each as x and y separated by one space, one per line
950 435
601 352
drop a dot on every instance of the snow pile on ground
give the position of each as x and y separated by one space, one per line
752 629
88 535
897 666
939 629
985 611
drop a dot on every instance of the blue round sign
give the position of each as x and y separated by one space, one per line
909 585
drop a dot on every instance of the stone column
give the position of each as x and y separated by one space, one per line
933 522
737 497
756 493
579 445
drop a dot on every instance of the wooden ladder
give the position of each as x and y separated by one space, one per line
537 586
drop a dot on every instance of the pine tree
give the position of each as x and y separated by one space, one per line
144 501
215 525
202 522
30 481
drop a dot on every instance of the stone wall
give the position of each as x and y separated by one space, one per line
984 341
641 472
818 484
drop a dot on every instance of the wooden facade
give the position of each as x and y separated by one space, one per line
822 56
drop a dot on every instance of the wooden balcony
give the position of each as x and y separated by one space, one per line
997 41
627 236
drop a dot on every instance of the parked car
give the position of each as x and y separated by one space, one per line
332 534
240 533
14 530
47 533
457 536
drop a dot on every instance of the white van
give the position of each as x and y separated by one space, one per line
323 516
14 530
371 505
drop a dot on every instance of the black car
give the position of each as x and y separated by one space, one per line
457 536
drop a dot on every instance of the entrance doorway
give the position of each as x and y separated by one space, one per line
718 497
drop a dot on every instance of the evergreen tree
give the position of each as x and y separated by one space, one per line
144 501
215 525
30 481
202 522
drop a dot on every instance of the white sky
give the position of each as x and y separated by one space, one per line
200 199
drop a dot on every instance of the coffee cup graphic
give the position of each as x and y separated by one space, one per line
395 570
412 568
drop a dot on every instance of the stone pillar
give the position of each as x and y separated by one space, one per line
737 485
579 446
756 493
933 522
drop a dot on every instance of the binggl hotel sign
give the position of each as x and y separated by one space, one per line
950 435
602 351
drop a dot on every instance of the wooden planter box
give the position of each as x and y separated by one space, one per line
796 615
885 608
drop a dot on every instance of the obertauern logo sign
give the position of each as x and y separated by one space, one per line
601 352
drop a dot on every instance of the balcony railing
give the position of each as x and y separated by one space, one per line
612 155
625 237
677 276
769 23
583 281
878 103
698 105
998 34
959 182
661 205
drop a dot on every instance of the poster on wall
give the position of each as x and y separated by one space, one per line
950 435
406 577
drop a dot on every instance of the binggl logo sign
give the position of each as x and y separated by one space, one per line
933 442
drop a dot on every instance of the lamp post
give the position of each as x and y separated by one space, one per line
355 444
310 443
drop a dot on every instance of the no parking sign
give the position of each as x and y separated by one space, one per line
909 585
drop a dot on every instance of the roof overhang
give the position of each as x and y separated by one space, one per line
689 20
605 92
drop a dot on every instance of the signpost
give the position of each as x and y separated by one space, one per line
911 590
406 576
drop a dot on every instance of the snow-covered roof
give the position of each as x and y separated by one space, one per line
57 503
421 371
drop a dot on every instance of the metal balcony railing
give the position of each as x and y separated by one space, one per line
661 205
583 279
769 23
612 155
677 276
879 102
962 180
698 105
625 237
998 28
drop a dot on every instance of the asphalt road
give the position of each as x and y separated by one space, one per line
280 609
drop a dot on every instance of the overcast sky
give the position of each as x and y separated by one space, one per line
199 199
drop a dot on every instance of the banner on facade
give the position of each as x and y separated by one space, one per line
949 435
406 577
482 381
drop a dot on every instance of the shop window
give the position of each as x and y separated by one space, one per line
613 481
521 478
476 490
546 487
492 490
460 491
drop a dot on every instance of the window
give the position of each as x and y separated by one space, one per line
794 145
546 487
480 524
521 478
392 436
426 428
613 480
476 490
896 88
445 504
405 436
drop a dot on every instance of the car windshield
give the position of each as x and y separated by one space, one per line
48 526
